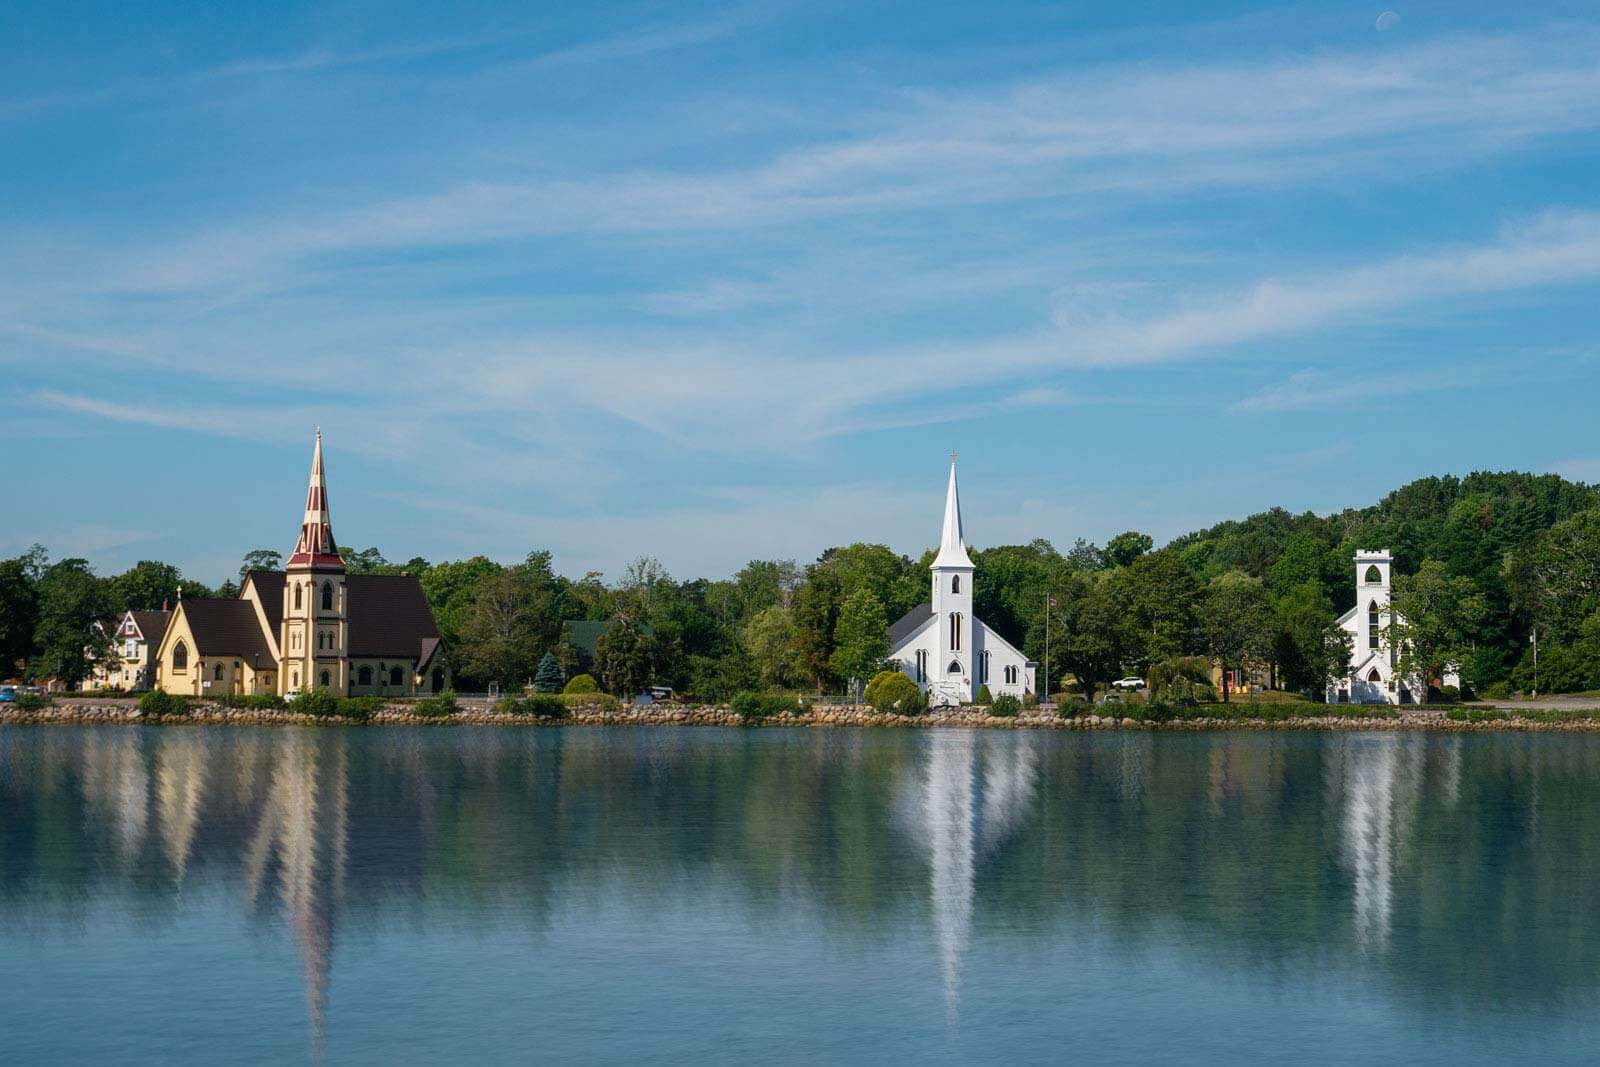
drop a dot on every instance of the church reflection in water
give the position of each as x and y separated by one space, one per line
1411 858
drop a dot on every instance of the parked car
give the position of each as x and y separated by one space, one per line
8 694
1128 683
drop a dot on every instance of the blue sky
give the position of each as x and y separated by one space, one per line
718 282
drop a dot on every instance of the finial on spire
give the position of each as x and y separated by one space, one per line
952 455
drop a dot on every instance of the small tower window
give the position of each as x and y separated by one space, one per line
297 601
180 657
955 667
955 583
1374 575
955 631
1372 624
327 596
1373 676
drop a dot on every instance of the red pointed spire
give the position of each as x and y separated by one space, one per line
316 547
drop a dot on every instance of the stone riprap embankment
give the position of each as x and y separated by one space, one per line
819 716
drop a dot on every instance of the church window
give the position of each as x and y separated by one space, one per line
180 657
294 679
1374 576
955 667
326 681
1373 676
1372 624
297 601
395 677
327 596
216 673
922 664
955 583
364 676
955 631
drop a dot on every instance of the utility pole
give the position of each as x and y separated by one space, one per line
1049 603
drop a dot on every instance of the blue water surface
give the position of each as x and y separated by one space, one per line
563 895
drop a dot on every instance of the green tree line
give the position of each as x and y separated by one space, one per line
1481 561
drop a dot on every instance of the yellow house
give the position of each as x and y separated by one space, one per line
309 626
130 662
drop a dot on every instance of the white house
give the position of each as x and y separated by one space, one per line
940 645
1374 675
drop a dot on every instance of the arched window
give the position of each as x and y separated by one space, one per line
216 673
1374 575
438 679
326 680
396 677
297 602
364 676
955 631
327 596
922 664
983 667
955 667
1374 676
1372 624
294 679
955 583
180 657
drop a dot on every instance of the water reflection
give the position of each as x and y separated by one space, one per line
1448 870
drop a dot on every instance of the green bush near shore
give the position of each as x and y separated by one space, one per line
758 707
984 696
436 707
547 706
580 684
892 693
31 702
161 702
596 699
1005 706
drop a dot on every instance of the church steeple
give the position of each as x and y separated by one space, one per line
952 543
316 548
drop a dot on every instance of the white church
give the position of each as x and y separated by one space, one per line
948 652
1373 675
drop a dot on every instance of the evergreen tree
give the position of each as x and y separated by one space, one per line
548 679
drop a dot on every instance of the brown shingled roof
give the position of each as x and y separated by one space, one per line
389 616
228 628
270 586
152 625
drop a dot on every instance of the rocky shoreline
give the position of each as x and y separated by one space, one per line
824 716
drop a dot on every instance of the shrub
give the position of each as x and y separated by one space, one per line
508 706
984 696
544 706
758 707
893 692
161 702
1497 691
441 706
1005 706
358 708
318 702
1029 700
1450 694
580 684
31 701
1070 707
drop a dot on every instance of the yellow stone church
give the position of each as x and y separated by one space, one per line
308 626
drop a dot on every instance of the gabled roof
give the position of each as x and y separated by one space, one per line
389 616
152 625
908 624
227 628
269 587
584 634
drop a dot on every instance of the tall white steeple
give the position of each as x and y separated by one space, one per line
952 602
952 543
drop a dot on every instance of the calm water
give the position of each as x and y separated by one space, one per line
408 895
